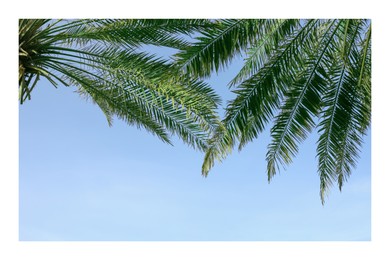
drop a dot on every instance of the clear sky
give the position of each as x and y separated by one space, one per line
82 180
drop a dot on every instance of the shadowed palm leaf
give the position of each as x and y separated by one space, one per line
300 74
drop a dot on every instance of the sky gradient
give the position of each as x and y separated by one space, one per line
82 180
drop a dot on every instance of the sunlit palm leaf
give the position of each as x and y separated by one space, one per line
102 59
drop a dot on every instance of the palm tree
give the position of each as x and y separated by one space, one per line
298 74
104 60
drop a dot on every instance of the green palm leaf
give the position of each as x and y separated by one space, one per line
345 116
300 75
226 38
257 54
259 96
102 59
302 102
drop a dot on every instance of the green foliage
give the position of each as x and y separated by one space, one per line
298 74
102 59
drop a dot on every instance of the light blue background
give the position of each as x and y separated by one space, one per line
82 180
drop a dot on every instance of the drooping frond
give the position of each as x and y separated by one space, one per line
272 32
219 146
300 75
302 100
296 73
102 59
344 117
216 47
259 96
361 67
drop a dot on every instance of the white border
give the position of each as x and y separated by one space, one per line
11 248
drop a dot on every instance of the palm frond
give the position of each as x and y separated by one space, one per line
295 73
272 31
217 46
132 33
219 146
260 96
341 122
302 101
102 59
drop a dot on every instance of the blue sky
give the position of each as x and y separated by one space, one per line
9 150
82 180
